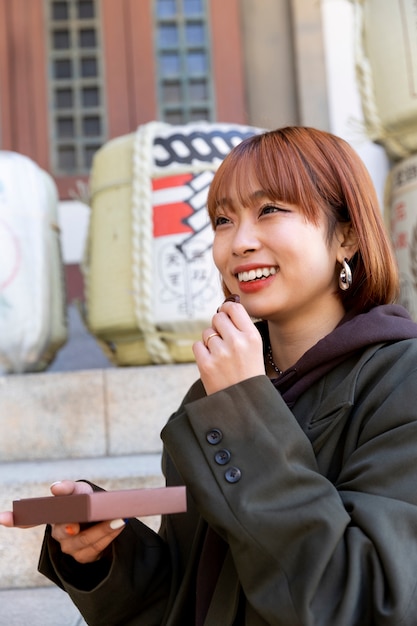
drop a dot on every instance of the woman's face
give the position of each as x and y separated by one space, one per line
282 266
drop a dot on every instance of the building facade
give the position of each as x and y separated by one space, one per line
77 73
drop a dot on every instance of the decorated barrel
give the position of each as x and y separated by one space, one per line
401 194
386 69
151 286
32 293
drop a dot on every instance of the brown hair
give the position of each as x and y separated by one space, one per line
318 172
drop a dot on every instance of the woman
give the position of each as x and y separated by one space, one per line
297 446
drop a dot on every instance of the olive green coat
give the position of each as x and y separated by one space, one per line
321 523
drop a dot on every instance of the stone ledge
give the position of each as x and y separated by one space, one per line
90 413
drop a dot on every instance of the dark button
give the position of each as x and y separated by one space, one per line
214 436
233 475
222 457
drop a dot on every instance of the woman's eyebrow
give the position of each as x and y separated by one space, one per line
229 202
225 203
258 194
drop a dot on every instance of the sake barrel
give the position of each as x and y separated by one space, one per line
386 70
32 293
402 219
151 286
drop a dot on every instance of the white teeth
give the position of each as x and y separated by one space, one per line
260 272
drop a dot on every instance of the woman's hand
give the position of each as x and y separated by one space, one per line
84 545
231 349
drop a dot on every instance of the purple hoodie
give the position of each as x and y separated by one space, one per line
383 324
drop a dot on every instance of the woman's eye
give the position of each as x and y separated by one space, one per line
270 208
220 220
274 208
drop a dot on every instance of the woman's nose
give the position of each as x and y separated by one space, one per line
245 239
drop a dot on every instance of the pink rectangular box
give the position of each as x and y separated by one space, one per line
99 506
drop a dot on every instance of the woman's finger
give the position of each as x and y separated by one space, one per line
208 335
69 487
6 519
236 313
87 545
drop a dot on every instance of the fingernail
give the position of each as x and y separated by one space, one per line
117 523
70 530
57 482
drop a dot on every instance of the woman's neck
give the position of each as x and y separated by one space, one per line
289 341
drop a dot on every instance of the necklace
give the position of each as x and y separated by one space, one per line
271 360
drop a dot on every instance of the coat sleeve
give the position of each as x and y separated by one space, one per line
308 552
130 588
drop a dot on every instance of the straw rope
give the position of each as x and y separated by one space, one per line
374 126
142 243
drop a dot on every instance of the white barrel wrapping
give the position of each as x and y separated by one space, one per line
150 283
386 69
402 221
32 293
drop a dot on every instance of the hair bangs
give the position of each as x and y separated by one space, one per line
270 163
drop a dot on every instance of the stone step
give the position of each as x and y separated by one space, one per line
38 606
19 548
89 413
101 424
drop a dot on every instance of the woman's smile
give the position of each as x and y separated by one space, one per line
256 274
255 278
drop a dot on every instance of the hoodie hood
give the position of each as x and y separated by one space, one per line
354 333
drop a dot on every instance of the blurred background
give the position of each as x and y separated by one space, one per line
75 74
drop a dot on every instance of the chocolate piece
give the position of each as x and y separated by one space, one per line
99 506
233 298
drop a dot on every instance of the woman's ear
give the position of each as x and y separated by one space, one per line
348 242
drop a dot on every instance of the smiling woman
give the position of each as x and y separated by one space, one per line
297 444
322 177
